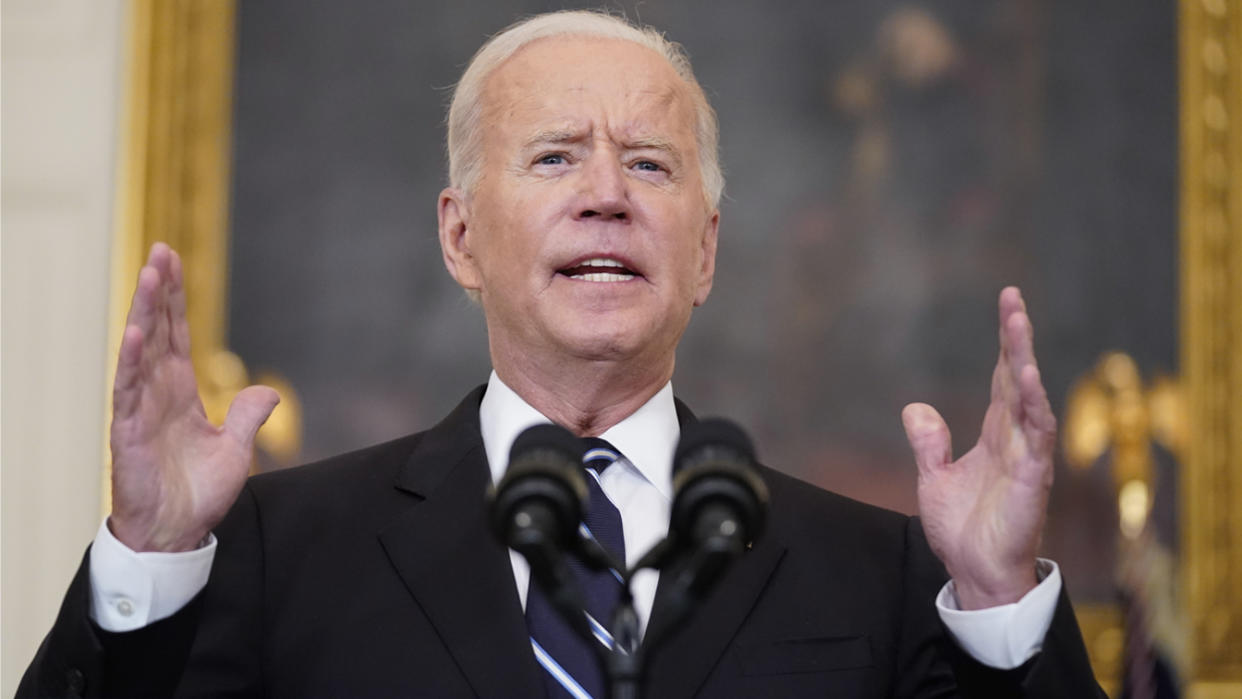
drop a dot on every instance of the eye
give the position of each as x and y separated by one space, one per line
551 159
647 166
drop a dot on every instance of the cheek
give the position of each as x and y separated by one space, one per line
510 240
690 245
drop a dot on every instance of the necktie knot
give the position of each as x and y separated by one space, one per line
599 455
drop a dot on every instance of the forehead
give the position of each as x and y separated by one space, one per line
578 82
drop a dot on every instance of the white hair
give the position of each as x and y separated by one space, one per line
465 148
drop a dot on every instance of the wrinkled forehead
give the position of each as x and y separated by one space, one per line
572 82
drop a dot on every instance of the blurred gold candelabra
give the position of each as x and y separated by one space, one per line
1110 408
174 175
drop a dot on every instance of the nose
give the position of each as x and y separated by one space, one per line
604 190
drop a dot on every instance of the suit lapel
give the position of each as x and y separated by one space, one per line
462 579
448 559
686 656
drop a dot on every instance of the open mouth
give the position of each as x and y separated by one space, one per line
599 269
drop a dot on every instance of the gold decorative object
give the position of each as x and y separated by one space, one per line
1110 407
1102 631
1208 442
1210 73
173 180
173 187
1111 413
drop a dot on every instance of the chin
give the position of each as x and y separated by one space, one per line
618 345
606 332
604 347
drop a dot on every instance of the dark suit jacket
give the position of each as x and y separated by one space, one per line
374 574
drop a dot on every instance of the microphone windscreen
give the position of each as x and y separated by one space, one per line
713 432
544 486
548 437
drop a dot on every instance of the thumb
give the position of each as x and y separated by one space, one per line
928 435
249 410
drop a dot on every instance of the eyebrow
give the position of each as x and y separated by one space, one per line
555 136
652 142
569 136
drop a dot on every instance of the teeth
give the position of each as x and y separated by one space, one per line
585 270
603 277
602 262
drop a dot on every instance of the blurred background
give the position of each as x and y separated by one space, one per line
890 166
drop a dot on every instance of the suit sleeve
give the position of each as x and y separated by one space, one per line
211 647
69 662
1060 669
80 659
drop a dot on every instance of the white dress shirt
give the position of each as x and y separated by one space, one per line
130 590
640 484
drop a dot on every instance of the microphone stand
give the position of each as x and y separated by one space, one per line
624 664
718 508
625 661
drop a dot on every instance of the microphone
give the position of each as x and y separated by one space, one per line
536 509
719 501
539 501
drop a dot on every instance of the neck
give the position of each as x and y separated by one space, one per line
585 397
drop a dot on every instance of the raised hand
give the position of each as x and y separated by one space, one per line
984 513
174 474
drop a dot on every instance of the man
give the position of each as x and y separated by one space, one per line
582 214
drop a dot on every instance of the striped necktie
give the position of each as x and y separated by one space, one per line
571 666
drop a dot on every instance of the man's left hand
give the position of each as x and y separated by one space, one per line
984 513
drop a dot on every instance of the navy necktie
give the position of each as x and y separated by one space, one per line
571 667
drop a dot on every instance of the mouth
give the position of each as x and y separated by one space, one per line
599 269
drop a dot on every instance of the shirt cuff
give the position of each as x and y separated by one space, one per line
130 590
1007 636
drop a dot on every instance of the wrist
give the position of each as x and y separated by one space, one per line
972 594
144 539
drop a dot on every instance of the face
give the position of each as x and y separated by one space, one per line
588 235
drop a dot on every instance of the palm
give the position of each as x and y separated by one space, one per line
983 514
174 473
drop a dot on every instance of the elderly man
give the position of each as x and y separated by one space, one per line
582 215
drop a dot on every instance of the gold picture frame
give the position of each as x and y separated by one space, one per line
1210 95
173 186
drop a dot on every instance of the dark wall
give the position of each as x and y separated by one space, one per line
890 167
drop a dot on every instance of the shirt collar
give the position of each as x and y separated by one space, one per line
647 437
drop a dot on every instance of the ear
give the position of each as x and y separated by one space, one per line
453 213
707 272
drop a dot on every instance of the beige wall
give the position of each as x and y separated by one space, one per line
61 91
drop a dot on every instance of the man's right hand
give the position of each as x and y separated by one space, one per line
174 474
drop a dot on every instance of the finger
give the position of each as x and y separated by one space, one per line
1009 364
1016 349
928 436
1029 400
179 326
1002 383
1020 343
158 257
143 308
1010 302
125 390
160 260
248 411
1039 423
148 307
